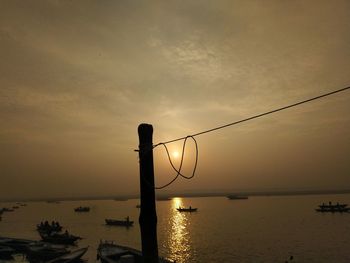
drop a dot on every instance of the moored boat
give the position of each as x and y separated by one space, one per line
70 256
6 252
109 252
5 209
41 251
20 245
57 238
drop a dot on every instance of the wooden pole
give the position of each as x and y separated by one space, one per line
148 214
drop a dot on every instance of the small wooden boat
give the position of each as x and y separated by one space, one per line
17 244
6 252
163 198
5 209
189 209
41 251
337 208
109 252
82 209
237 197
114 222
57 238
70 256
323 206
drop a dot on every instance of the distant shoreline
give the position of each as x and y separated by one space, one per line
188 194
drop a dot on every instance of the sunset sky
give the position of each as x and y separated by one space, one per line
78 77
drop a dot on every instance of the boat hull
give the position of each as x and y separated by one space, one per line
113 222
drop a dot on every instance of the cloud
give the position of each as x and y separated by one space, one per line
80 76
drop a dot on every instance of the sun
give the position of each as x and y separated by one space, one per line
175 154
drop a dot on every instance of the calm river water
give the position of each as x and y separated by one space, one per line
260 229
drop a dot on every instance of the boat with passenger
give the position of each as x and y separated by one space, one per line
46 228
184 209
113 222
333 208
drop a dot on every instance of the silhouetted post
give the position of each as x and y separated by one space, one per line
148 215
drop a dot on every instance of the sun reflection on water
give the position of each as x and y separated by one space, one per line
179 238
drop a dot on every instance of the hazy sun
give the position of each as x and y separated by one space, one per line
176 154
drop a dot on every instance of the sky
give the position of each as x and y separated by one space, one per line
78 77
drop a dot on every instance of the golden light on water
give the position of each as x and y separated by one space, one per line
179 235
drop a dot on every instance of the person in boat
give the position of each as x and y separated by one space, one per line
190 207
127 219
66 233
46 224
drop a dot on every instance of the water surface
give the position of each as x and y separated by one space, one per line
260 229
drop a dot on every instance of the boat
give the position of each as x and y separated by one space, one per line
5 209
184 209
42 251
82 209
237 197
70 256
47 228
57 238
340 208
6 252
164 198
109 252
114 222
19 245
